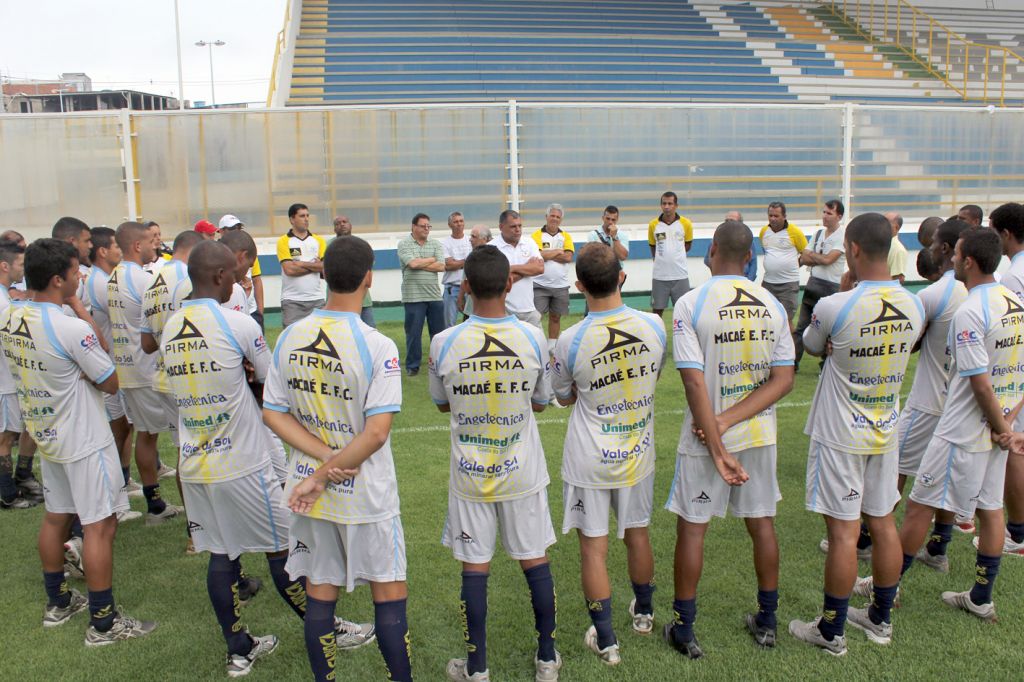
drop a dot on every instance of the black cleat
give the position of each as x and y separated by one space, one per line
689 649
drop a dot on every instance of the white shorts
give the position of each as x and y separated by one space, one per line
959 481
91 487
915 432
148 410
246 514
471 528
587 508
339 554
114 403
699 492
844 485
10 413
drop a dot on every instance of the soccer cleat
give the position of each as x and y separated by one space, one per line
351 635
763 637
190 548
863 587
29 487
132 488
457 671
73 558
689 649
1010 548
643 623
58 615
964 524
608 655
169 512
240 666
879 634
938 562
962 600
124 627
808 632
248 587
862 554
547 671
18 502
165 471
128 515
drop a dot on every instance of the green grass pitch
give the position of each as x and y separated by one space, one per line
154 579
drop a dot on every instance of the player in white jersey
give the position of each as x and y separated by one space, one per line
734 352
608 365
59 365
1008 222
964 467
490 373
867 333
135 367
333 389
12 269
78 234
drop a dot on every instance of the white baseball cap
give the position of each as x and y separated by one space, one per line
228 221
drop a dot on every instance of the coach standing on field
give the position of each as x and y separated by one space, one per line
526 262
421 258
670 237
782 243
301 255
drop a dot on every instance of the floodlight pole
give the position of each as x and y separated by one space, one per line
209 46
177 45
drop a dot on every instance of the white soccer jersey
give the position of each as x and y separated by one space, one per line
219 424
96 294
781 253
734 331
555 275
458 249
873 329
488 371
1013 278
986 336
7 383
940 300
669 242
332 371
49 353
158 305
824 244
238 302
127 283
614 359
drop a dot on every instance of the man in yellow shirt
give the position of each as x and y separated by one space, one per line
897 252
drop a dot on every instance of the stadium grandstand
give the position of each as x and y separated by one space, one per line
887 51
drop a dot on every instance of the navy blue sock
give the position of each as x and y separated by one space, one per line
76 527
292 591
985 572
126 474
942 533
685 616
474 619
864 539
101 609
542 594
833 617
321 645
882 599
57 593
767 605
154 503
908 561
600 611
393 638
222 586
1016 531
644 594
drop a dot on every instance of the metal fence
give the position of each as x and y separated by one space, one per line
380 165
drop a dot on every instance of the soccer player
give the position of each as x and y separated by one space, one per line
1008 222
490 373
963 469
135 367
867 333
332 391
609 365
670 237
253 280
734 352
244 249
59 365
12 496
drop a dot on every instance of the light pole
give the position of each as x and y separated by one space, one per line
177 45
210 45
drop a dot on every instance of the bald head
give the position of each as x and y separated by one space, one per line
732 242
734 215
895 221
211 267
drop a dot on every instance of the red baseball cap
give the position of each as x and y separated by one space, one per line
205 227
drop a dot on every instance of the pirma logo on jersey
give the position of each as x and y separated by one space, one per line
493 355
320 354
620 345
300 548
890 320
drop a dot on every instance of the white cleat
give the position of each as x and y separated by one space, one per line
643 623
458 671
880 633
962 600
240 666
608 655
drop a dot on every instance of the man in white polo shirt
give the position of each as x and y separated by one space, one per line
551 287
456 247
524 257
301 255
670 236
826 256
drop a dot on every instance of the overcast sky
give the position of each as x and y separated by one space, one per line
130 44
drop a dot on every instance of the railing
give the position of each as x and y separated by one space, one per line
948 56
278 49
